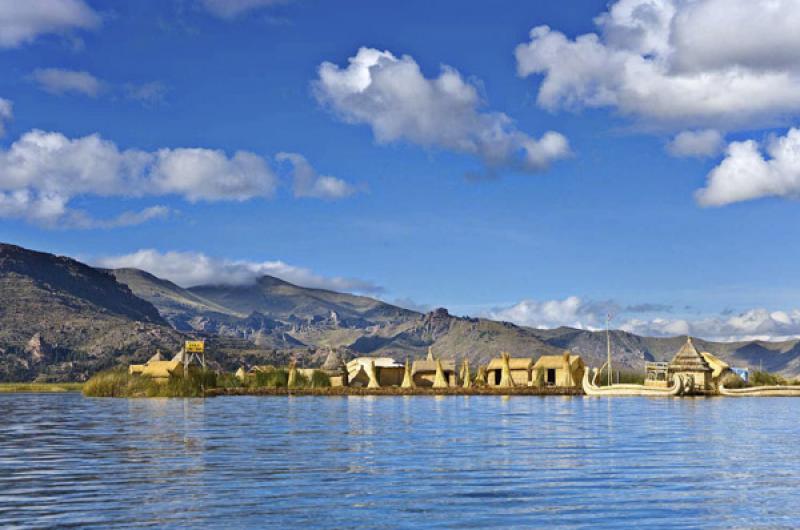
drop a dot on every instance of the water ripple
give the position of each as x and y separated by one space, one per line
383 462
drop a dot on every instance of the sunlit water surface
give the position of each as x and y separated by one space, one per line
371 462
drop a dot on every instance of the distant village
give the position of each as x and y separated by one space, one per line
690 372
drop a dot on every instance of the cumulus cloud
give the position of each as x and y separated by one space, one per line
230 9
61 81
22 21
702 143
677 64
398 102
306 182
6 114
195 268
753 324
42 171
571 311
745 173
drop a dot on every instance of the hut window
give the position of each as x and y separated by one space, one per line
551 376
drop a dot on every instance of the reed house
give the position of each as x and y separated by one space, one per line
520 369
388 372
424 372
559 370
691 364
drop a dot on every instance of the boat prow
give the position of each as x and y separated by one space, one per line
761 391
592 389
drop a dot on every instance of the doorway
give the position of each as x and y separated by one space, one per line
551 376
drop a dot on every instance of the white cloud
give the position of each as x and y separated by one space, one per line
51 210
571 311
753 324
745 173
148 94
6 114
230 9
195 268
398 102
42 171
702 143
306 182
676 64
21 21
61 81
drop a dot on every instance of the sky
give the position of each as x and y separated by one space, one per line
517 160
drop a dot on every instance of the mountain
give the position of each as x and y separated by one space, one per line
62 320
299 320
285 301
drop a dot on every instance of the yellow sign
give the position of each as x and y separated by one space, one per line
195 346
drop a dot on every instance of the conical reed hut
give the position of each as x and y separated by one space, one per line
505 372
439 381
466 377
408 379
373 377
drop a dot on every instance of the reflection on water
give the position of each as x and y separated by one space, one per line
478 461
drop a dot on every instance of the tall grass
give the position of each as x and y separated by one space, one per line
40 387
760 378
118 382
319 379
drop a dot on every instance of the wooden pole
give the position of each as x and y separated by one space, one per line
608 346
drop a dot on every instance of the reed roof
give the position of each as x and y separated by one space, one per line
688 359
557 361
425 365
514 363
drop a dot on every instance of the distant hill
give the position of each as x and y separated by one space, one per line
61 319
282 300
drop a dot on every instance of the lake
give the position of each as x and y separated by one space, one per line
388 462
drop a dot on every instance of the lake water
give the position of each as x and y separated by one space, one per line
373 462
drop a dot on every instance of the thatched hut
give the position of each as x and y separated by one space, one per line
520 369
241 374
163 370
691 365
387 371
423 372
159 368
139 368
564 370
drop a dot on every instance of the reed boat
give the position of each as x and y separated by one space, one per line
591 388
761 391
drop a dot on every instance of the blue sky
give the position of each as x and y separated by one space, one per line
603 214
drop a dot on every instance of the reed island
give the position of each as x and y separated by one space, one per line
690 373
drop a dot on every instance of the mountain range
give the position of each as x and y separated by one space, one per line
63 320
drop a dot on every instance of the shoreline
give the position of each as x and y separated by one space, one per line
393 391
39 388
